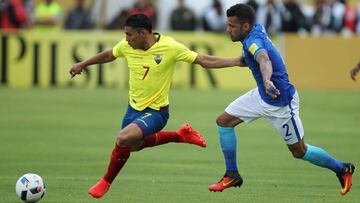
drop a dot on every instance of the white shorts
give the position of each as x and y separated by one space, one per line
285 119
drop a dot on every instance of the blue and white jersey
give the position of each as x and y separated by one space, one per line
257 41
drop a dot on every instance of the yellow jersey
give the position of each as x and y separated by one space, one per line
151 71
45 11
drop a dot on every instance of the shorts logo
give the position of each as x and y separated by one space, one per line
287 139
145 116
158 58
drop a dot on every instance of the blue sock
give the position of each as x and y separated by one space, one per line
319 157
228 145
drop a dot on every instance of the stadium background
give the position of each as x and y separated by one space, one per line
64 129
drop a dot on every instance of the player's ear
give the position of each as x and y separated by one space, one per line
246 26
143 32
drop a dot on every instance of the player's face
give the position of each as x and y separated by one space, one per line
134 37
237 30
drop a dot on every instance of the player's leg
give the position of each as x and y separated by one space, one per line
225 125
186 134
316 156
120 153
288 123
129 138
320 157
245 108
292 132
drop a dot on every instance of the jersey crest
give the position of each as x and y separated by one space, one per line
158 58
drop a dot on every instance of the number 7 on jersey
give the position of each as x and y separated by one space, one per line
146 71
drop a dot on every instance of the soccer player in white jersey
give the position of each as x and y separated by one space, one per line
275 99
151 60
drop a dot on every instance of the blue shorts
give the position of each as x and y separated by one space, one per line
149 120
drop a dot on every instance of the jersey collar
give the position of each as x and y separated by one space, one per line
157 36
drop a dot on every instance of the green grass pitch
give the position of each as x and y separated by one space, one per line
66 136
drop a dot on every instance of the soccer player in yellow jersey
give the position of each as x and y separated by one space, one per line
151 59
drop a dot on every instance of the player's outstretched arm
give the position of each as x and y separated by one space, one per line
102 57
266 71
207 61
355 71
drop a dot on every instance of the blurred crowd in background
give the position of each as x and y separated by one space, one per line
319 17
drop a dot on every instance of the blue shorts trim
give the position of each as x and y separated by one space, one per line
149 120
294 123
296 129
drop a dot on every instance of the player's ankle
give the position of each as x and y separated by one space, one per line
105 181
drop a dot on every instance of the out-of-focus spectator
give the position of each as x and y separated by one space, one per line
146 7
336 10
319 20
79 17
254 5
13 14
118 22
214 18
28 4
349 19
292 18
47 15
182 18
269 16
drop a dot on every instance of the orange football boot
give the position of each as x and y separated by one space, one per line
345 178
229 180
189 135
99 189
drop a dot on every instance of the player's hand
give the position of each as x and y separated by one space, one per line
76 69
271 89
354 72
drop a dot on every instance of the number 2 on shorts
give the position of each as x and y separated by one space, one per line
287 130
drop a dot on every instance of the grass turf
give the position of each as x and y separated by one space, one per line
66 136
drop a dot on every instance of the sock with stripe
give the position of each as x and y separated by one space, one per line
160 138
319 157
119 156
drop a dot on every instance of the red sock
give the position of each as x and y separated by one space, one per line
160 138
119 156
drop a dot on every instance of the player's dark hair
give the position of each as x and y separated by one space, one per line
139 21
243 12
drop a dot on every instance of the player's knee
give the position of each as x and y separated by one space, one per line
221 121
226 120
298 152
122 139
